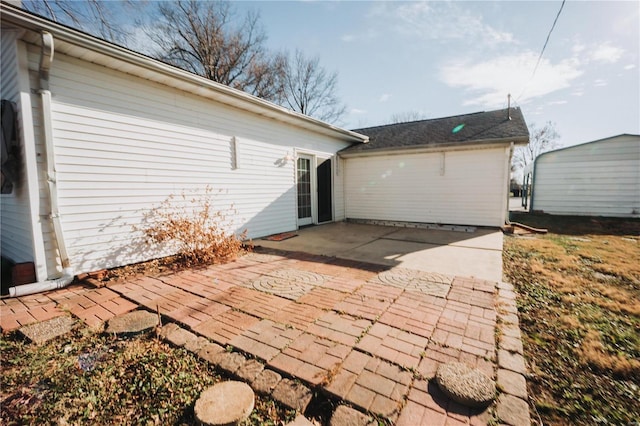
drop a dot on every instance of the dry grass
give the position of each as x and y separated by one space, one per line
200 232
91 378
579 305
593 353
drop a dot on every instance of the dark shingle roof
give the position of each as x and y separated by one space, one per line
472 129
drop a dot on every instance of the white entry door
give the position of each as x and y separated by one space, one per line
305 190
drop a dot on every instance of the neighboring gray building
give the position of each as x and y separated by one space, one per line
599 178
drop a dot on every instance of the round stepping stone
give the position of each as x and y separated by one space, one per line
132 322
465 385
226 403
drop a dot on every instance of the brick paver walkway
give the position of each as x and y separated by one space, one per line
366 334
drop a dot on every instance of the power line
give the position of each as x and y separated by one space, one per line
543 49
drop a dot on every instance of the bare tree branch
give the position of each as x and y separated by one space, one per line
206 38
203 38
541 139
93 16
311 90
407 116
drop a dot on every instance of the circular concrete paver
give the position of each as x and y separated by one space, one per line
306 277
397 277
465 385
226 403
425 282
288 283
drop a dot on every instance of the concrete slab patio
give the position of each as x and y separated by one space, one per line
462 251
368 335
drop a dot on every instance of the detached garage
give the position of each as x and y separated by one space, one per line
452 170
599 178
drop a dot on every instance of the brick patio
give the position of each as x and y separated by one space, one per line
365 334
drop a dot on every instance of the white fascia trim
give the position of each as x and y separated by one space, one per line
439 148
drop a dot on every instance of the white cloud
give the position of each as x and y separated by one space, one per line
606 53
490 81
557 102
600 82
438 21
357 111
629 67
578 47
384 97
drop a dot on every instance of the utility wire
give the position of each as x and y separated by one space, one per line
543 49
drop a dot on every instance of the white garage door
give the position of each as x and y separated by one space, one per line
454 187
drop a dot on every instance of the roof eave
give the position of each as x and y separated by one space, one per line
448 146
222 93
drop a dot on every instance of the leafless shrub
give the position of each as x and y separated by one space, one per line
195 229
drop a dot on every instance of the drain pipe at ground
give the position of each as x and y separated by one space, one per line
46 57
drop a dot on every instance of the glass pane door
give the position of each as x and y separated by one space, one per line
304 191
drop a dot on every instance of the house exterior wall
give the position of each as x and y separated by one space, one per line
17 243
338 184
450 187
124 144
600 178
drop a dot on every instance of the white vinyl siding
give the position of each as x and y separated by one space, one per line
337 164
124 144
469 190
599 178
17 243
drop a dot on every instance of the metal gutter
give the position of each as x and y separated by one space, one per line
450 146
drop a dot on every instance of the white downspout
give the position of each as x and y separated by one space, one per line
46 57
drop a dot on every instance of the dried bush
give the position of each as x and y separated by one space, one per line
194 229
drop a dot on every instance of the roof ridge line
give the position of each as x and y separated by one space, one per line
432 119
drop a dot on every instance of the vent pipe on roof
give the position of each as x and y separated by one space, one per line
509 106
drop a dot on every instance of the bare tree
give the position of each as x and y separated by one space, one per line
92 16
311 90
407 116
541 139
208 39
203 37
